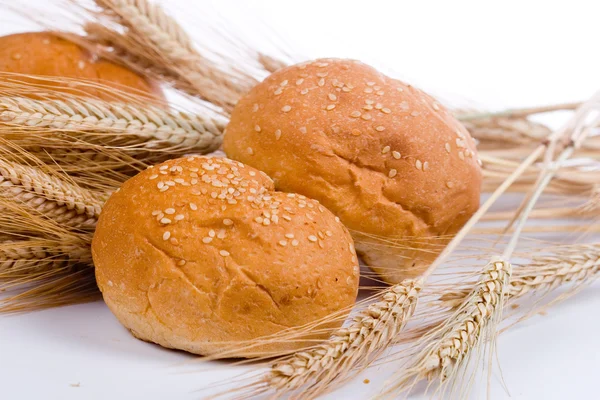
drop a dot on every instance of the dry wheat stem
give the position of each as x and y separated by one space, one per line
368 333
448 349
122 125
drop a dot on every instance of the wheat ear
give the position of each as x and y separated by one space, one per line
114 124
447 350
154 28
371 331
49 195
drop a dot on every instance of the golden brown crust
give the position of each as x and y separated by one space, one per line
239 260
384 156
43 53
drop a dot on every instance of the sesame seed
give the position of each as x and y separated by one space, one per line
250 150
284 83
255 107
283 243
153 177
312 238
303 129
400 89
368 90
165 221
380 93
386 110
366 117
166 235
221 234
179 217
224 253
396 155
163 167
320 234
304 91
164 189
251 173
181 262
450 184
418 164
277 134
368 107
257 128
337 219
170 183
370 83
278 91
385 150
425 165
156 212
289 235
332 97
378 106
355 114
287 218
170 211
414 113
355 132
461 155
227 222
447 146
299 81
295 243
380 128
160 184
435 106
392 173
468 153
286 108
330 107
211 233
207 239
321 82
193 206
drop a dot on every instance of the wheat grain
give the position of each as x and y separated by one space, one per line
115 124
49 195
447 349
368 333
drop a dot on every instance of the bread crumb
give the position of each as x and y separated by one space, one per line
366 381
78 384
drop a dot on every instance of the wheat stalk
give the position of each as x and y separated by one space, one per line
115 124
155 29
49 195
447 349
371 331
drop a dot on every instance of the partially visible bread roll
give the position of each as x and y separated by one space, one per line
43 53
199 253
392 163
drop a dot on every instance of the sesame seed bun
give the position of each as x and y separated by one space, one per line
199 251
43 53
393 164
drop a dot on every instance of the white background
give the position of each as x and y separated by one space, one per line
486 54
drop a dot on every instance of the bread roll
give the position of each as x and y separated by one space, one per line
386 158
198 252
43 53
